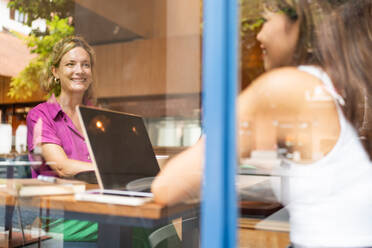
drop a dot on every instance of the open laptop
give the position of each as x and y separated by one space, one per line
122 154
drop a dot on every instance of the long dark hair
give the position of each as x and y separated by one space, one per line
303 12
344 51
309 14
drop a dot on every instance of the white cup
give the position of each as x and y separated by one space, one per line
6 138
21 138
168 134
191 134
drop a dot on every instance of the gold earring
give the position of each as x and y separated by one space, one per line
57 80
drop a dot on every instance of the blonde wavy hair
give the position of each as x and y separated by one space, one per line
51 84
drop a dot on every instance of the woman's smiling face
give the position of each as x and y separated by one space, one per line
278 38
74 71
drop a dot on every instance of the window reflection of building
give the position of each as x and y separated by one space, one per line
148 62
302 138
18 16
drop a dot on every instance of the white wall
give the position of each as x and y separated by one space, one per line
6 22
4 13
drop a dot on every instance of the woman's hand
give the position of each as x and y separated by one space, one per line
181 177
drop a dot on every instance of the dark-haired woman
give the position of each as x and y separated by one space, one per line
316 115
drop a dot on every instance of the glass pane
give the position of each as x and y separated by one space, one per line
256 198
294 157
144 73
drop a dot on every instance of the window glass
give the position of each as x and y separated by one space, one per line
293 119
147 63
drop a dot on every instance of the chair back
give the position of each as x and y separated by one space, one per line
169 233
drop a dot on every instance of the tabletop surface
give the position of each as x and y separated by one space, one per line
149 210
278 221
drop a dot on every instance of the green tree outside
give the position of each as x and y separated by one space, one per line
28 80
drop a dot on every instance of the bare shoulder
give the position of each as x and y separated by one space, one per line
287 80
288 97
286 88
288 73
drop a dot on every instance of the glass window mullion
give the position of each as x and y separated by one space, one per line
220 42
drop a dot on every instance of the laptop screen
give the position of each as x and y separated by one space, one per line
119 146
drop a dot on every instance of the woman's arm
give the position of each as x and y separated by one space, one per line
289 109
60 163
181 178
42 134
282 96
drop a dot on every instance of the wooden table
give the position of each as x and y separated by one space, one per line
264 224
271 231
10 164
115 221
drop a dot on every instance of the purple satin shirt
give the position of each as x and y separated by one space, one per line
47 123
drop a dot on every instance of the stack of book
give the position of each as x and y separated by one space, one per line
35 187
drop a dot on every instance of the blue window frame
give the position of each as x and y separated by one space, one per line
220 60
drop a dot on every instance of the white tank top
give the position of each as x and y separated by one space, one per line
330 200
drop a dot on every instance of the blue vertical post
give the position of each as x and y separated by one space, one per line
220 60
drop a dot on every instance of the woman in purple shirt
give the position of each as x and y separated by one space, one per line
53 126
54 129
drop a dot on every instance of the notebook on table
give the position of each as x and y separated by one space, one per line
122 155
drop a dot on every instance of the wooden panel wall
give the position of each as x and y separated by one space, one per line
149 67
183 17
134 15
150 18
183 65
166 62
131 68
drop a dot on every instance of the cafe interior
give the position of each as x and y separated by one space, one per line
176 64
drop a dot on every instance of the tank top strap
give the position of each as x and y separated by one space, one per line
323 76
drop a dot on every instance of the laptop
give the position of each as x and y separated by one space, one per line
121 152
